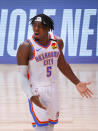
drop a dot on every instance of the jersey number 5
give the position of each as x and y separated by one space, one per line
49 69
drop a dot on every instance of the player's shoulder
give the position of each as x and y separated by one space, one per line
24 46
60 42
59 38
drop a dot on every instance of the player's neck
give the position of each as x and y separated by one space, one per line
44 41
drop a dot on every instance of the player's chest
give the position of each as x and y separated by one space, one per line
52 47
52 51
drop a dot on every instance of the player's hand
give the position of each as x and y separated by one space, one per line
37 102
83 90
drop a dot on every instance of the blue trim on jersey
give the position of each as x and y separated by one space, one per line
53 122
44 124
34 125
32 49
42 45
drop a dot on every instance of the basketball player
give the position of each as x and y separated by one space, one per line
40 56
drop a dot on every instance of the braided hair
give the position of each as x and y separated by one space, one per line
44 19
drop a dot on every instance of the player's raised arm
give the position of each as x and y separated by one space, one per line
65 68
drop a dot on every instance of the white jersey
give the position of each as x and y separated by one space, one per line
43 76
43 65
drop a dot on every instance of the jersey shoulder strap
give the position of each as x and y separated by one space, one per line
52 37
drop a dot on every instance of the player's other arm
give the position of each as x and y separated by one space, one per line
23 55
22 61
66 70
64 67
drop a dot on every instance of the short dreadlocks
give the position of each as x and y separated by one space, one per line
46 20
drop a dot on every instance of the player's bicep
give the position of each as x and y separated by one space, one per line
61 60
22 55
61 56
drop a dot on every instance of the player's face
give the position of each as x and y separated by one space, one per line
40 30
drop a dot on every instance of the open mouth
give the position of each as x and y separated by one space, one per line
36 34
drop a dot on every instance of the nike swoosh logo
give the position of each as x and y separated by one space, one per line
38 49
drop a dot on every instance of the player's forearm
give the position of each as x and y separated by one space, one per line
24 83
66 70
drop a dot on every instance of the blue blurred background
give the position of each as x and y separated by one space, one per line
76 22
